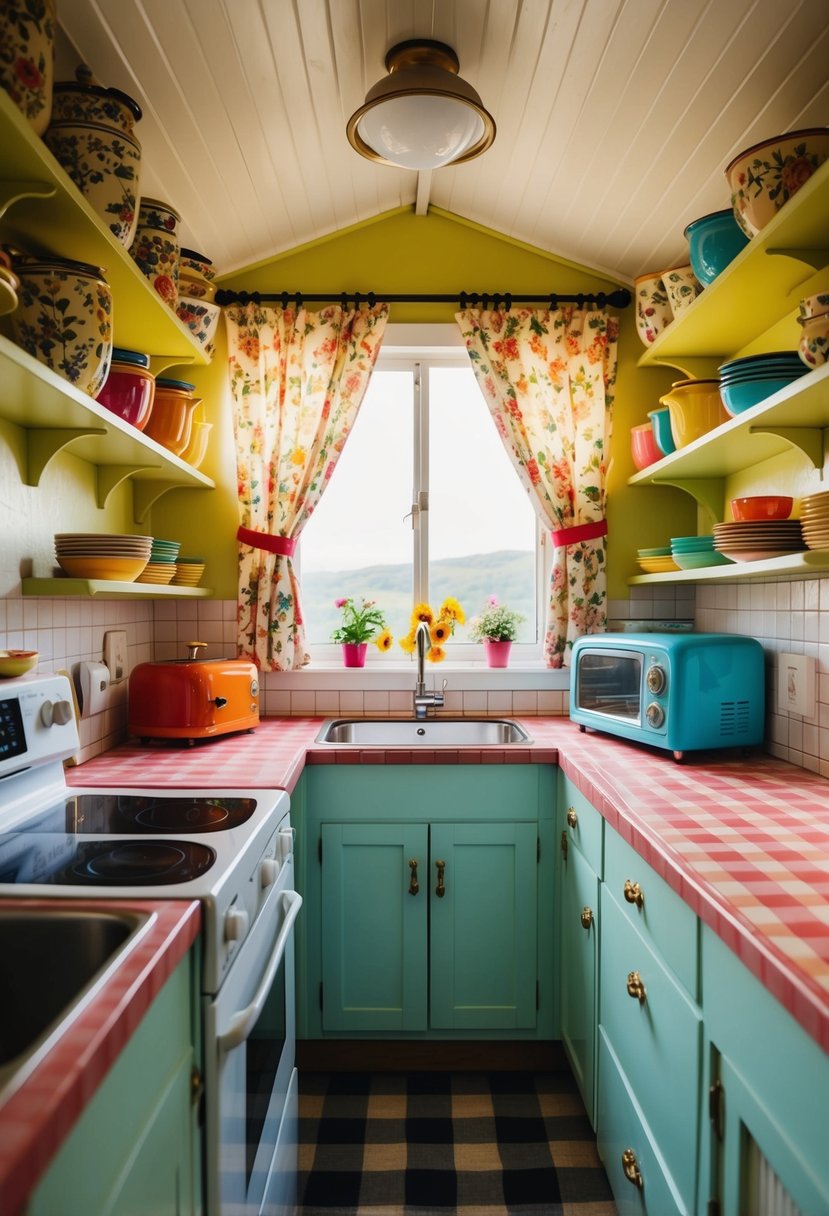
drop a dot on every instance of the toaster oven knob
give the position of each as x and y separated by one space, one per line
269 871
656 679
55 713
655 714
236 924
254 688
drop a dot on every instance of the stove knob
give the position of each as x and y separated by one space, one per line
655 715
269 871
236 924
656 679
56 713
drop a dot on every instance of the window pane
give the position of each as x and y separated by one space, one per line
358 542
482 528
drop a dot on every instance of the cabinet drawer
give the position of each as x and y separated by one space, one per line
657 1039
661 916
586 832
622 1130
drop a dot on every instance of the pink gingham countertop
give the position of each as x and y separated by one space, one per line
745 842
39 1106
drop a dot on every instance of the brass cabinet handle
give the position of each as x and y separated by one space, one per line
414 885
564 845
440 889
572 817
630 1168
634 893
586 917
636 987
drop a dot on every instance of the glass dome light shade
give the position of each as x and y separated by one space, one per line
422 115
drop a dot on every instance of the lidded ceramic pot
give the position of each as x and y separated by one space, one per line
196 275
171 419
129 388
27 42
91 136
64 318
156 248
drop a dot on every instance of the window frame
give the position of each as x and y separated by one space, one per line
419 347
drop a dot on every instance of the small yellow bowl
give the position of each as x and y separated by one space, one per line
119 569
17 662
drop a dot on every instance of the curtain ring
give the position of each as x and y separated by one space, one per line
298 300
600 300
356 299
496 301
485 302
284 299
462 301
344 301
553 302
580 300
507 302
372 299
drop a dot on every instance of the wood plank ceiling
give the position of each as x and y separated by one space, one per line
615 118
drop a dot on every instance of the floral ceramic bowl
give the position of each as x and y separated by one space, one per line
105 165
653 309
84 100
64 319
196 275
682 287
765 176
813 347
200 316
27 40
156 248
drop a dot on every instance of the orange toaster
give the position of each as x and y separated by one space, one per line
193 698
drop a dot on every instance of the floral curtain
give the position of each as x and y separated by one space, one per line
298 379
548 379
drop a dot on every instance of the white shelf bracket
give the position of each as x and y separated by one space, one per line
708 492
44 443
146 493
111 475
811 440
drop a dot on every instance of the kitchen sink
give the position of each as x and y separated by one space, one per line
49 964
430 732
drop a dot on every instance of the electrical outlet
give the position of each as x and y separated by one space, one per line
115 655
796 684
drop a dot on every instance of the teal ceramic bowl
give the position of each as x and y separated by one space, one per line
661 423
713 241
741 395
682 544
697 560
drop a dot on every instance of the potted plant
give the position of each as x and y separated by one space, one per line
497 627
362 623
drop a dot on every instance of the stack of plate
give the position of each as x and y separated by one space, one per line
102 555
656 561
755 540
745 382
188 571
161 568
814 522
696 552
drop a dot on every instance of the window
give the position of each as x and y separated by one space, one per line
424 503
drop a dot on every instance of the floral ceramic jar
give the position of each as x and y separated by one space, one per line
64 319
653 309
765 176
27 39
201 318
156 248
196 275
682 287
91 136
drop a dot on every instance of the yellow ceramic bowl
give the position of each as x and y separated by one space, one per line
695 407
17 662
119 569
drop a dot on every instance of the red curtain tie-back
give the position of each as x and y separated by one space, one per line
572 536
285 546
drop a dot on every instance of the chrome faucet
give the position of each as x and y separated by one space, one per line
423 699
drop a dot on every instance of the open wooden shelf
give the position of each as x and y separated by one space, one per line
109 589
796 565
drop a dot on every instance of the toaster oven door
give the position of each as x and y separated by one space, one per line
609 683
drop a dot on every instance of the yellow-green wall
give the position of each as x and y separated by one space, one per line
398 253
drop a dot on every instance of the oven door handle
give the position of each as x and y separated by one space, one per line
243 1022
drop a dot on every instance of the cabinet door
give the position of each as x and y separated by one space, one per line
483 966
374 926
579 937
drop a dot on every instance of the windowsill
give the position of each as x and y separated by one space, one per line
459 677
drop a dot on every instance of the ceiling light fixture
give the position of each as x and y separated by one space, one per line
423 115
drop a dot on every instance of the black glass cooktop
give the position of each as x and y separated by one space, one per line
61 860
138 814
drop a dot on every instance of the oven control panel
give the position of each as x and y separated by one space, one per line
37 722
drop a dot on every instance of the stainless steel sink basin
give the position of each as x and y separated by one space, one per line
433 732
49 964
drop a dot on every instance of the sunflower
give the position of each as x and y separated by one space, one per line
421 612
436 654
451 608
384 641
408 642
441 631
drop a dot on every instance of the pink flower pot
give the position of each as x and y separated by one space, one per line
354 654
497 653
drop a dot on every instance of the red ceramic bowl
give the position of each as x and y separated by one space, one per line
643 446
761 506
128 392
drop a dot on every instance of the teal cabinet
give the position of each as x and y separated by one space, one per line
429 901
135 1149
767 1135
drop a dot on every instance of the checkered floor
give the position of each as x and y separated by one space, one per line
441 1144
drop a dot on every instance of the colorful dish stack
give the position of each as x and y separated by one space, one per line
161 568
656 561
101 555
755 540
188 571
748 381
696 552
814 522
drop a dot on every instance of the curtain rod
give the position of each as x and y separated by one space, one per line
620 297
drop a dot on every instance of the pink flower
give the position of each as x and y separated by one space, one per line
492 601
340 603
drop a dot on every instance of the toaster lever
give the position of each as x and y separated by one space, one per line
193 649
220 702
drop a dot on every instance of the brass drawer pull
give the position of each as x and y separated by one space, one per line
634 893
636 987
414 885
440 889
572 817
586 918
630 1168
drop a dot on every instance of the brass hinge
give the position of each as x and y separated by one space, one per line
716 1096
321 1006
